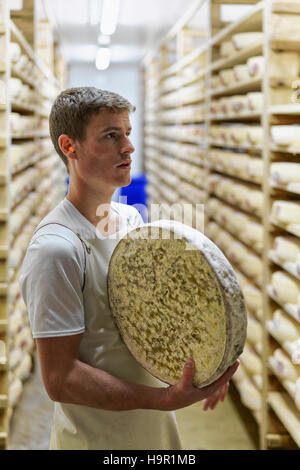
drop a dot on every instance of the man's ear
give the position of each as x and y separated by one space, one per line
67 146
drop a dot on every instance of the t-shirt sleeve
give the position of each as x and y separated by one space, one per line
51 285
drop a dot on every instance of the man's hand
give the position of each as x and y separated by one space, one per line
184 393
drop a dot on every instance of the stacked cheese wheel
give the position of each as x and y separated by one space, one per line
174 295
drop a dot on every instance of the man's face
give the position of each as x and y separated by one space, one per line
106 145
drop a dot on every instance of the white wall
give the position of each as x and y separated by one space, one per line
124 79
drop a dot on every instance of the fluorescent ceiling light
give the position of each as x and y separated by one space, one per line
103 40
109 18
103 58
94 12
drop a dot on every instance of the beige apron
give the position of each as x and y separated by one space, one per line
81 427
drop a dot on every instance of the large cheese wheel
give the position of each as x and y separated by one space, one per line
174 295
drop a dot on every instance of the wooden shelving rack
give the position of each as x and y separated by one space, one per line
207 142
32 181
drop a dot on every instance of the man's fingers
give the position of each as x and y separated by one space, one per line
188 373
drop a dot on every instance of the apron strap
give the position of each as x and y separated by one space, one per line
87 248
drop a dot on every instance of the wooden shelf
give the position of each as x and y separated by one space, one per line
257 19
288 109
243 146
293 188
285 409
294 231
238 58
290 149
245 116
254 84
287 266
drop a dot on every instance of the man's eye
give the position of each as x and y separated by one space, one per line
111 135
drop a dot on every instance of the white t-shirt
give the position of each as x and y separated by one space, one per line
53 271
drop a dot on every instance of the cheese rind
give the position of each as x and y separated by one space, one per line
174 295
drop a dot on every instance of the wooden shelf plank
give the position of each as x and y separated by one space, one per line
293 188
238 87
246 116
294 230
288 109
286 411
238 58
287 266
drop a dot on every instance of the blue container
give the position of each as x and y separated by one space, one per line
135 194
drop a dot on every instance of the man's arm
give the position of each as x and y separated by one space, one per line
69 380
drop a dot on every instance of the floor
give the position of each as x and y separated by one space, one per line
224 428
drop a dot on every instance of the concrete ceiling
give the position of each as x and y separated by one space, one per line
141 25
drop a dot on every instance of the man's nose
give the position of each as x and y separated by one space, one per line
127 146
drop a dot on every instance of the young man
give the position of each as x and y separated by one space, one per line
103 398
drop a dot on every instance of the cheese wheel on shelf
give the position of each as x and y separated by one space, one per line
282 327
187 304
283 366
253 201
285 172
225 105
256 66
226 48
237 251
242 40
224 241
286 248
227 77
279 62
285 287
254 330
255 135
254 168
215 107
241 73
255 101
250 360
286 212
239 221
252 265
240 375
286 135
253 297
216 81
238 134
213 230
254 231
250 395
239 103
